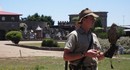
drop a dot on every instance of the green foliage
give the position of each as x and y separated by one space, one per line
124 42
120 31
48 42
102 35
14 36
98 29
98 22
37 17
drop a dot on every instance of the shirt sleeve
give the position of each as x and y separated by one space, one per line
96 42
71 42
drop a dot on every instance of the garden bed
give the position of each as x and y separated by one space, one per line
39 48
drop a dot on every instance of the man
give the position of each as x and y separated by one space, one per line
82 48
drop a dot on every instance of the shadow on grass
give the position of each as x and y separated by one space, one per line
38 48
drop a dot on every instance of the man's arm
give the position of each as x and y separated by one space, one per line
69 56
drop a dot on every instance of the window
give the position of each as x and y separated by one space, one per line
12 18
3 18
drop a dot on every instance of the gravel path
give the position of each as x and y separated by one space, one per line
13 51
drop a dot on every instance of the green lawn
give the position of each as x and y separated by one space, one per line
57 63
32 63
118 64
32 44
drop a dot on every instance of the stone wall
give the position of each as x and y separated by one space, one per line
102 15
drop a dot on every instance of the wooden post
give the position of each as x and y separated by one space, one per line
66 65
20 53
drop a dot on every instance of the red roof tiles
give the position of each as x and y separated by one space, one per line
8 13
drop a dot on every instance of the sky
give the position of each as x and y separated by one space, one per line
59 10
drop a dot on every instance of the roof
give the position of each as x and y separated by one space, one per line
126 29
8 13
126 26
38 28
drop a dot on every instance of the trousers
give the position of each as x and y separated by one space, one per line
81 67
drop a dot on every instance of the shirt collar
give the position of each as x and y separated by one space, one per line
83 31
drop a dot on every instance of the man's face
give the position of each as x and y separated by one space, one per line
88 21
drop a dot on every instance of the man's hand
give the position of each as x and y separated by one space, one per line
100 56
91 53
95 54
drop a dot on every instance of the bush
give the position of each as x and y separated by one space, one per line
102 35
122 41
48 42
120 31
100 32
14 36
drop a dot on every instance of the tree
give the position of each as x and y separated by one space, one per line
120 31
37 17
98 22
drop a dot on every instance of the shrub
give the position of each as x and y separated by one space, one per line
122 41
120 31
100 32
125 42
48 42
102 35
14 36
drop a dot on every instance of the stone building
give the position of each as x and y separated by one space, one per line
8 21
11 21
70 25
103 15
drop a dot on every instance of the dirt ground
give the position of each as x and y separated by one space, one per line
14 51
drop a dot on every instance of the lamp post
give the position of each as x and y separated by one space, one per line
123 20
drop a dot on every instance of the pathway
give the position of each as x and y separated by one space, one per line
14 51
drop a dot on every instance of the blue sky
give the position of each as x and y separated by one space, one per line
118 10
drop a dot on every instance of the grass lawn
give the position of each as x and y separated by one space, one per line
32 63
57 63
118 64
32 44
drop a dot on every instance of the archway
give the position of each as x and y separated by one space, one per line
2 34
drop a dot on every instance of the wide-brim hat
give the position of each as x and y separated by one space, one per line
86 12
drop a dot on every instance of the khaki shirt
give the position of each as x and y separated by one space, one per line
78 42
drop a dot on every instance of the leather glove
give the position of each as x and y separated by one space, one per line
110 52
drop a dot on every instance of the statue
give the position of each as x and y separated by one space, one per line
23 28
